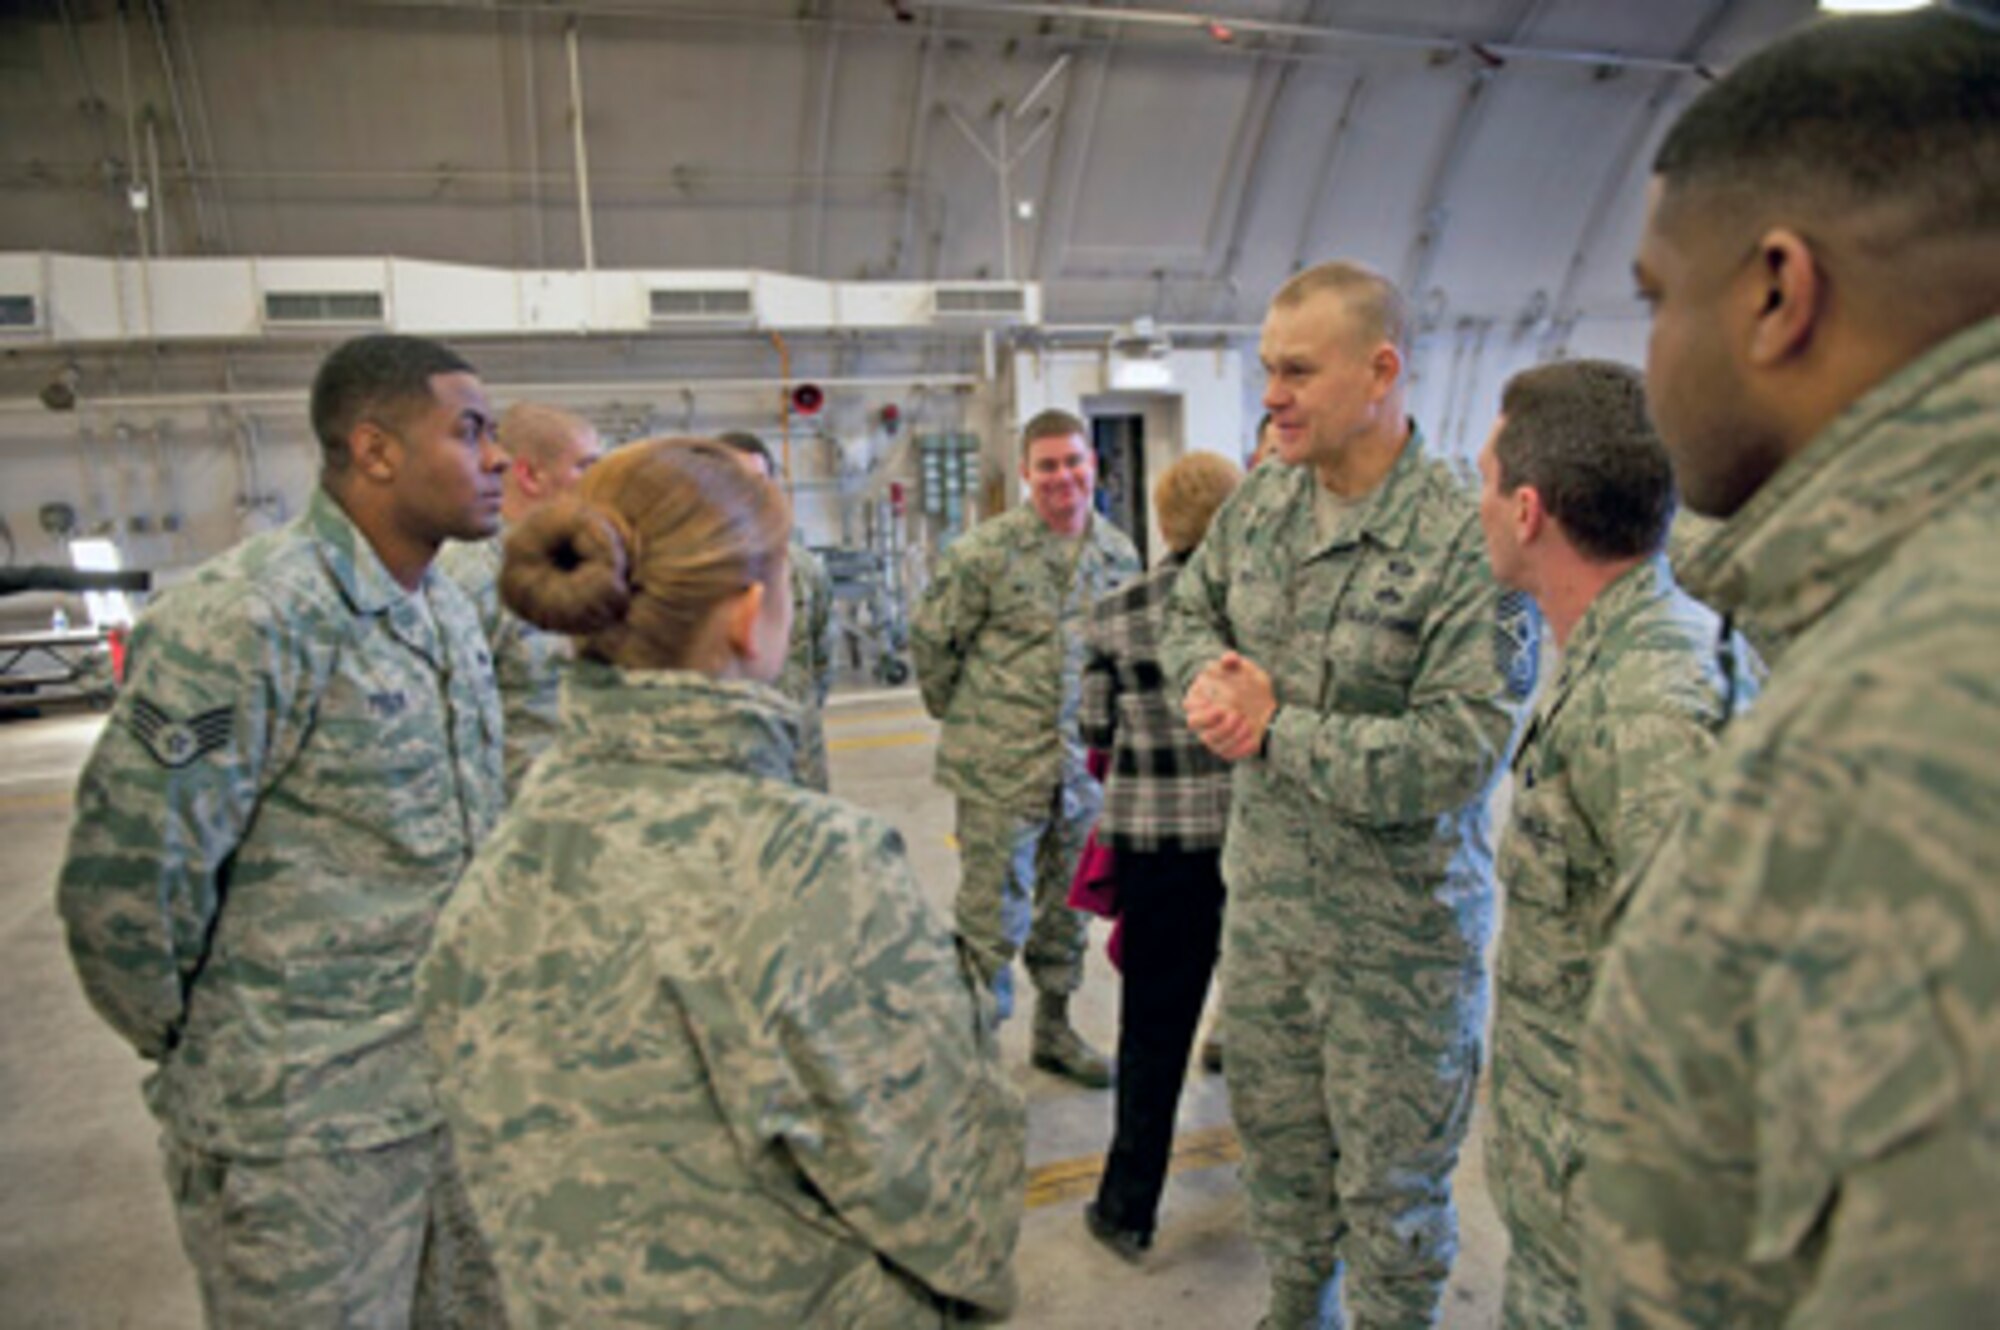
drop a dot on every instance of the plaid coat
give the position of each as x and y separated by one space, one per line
1164 790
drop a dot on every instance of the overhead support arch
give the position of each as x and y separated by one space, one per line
1069 156
916 144
1564 313
808 242
1245 185
1316 201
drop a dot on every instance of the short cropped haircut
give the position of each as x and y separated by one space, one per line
1578 432
540 433
748 444
1378 309
1850 112
1053 425
1187 495
382 377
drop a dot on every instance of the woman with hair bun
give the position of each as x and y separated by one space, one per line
708 1057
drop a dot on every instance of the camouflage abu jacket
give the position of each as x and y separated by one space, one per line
707 1055
298 769
527 662
1400 671
998 646
808 673
1789 1077
1636 703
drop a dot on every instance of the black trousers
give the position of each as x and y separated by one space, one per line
1171 903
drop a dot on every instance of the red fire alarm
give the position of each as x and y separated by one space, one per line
807 399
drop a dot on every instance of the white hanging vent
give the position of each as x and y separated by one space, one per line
322 309
19 312
701 304
984 303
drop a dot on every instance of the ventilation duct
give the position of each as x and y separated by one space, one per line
983 302
703 306
19 313
323 309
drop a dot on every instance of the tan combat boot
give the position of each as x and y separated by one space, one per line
1060 1050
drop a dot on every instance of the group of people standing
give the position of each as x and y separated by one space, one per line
650 1031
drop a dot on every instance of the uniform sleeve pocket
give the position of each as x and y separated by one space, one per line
1853 1063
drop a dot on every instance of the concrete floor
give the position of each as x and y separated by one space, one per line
87 1240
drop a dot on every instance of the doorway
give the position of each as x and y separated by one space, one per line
1120 444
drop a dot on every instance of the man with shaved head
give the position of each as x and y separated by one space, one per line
548 450
1791 1088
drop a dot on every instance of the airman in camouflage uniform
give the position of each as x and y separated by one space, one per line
1790 1087
548 451
710 1058
808 675
1349 650
998 645
1576 498
306 752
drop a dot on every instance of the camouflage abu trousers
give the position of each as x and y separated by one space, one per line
1014 874
1352 1087
1534 1157
362 1238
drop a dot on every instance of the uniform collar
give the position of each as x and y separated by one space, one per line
1386 515
352 562
679 718
1629 593
1908 448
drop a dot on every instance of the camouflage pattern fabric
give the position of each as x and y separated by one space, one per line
808 673
527 662
1357 861
1014 879
1637 702
296 772
381 1237
708 1057
1789 1080
997 641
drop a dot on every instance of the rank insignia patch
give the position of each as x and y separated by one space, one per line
175 743
1514 643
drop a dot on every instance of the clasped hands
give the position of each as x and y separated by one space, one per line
1229 706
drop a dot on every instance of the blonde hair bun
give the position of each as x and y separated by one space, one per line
567 568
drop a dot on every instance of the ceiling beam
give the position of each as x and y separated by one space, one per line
916 146
1611 185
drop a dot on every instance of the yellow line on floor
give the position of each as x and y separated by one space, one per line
36 803
864 717
1073 1179
901 739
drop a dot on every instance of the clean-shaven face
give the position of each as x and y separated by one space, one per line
1062 478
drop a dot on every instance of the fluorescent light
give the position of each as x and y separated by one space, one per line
94 554
1872 6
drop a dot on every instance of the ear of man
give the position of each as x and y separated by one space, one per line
1386 366
1531 515
376 453
1792 299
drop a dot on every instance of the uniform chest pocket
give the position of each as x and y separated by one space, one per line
1547 956
1534 858
1374 642
1372 653
379 757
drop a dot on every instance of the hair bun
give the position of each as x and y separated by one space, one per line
567 568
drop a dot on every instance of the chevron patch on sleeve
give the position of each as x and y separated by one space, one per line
175 743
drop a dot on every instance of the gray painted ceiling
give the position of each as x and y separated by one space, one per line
1490 154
